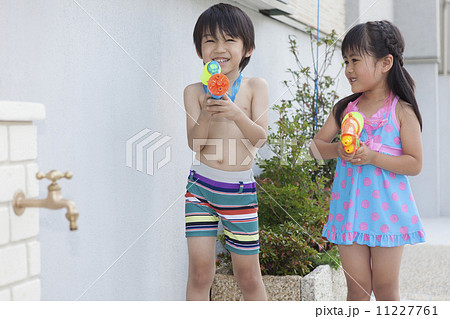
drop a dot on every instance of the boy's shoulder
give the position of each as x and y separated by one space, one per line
256 86
256 82
194 88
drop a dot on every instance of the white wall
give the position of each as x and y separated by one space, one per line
359 11
444 139
20 262
418 21
130 244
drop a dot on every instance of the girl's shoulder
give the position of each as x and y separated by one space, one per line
404 112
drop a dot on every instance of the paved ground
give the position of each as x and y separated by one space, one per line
425 269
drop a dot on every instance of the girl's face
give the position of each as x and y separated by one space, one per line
226 50
364 73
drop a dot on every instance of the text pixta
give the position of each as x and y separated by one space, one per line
336 311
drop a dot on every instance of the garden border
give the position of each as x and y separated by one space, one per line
322 284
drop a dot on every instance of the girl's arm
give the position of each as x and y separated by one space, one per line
410 163
321 146
197 118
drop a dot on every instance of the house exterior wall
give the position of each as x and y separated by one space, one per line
20 262
422 61
444 140
106 71
417 20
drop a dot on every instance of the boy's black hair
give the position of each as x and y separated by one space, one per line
379 39
229 20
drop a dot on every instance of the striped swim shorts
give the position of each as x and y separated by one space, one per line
213 195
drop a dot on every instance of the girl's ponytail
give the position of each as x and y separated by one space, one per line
379 39
398 80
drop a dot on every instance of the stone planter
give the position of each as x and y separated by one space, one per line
322 284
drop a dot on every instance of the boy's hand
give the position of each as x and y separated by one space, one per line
363 155
205 104
224 108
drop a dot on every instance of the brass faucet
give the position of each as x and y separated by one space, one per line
54 199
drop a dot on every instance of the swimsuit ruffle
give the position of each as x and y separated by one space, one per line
374 240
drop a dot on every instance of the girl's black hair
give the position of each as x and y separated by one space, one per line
378 39
229 20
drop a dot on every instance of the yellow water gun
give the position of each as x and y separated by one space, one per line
351 129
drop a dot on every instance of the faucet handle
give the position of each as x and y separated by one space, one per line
54 175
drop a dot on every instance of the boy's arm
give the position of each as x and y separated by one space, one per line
197 119
256 128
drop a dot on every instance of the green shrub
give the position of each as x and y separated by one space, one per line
293 188
286 250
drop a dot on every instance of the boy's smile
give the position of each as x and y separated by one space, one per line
221 61
228 51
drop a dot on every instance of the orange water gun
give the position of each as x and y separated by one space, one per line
216 82
351 129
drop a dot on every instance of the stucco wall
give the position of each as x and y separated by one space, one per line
105 72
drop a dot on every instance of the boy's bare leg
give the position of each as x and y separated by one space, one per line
202 267
248 276
356 263
385 272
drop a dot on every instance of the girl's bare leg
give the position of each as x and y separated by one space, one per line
385 272
356 263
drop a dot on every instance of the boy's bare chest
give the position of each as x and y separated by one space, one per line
224 128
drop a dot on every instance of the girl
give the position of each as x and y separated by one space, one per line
372 210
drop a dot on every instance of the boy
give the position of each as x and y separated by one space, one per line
225 134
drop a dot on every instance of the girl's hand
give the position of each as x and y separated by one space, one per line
224 108
343 154
363 155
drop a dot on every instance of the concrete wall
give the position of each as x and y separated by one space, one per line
416 20
445 35
105 71
359 11
444 140
422 58
444 109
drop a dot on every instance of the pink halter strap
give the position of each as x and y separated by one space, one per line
377 120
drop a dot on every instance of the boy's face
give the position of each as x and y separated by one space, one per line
224 49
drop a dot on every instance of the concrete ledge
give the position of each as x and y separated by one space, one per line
322 284
21 111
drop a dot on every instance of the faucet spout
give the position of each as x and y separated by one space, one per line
72 213
54 200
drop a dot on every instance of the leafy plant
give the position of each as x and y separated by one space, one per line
287 249
293 188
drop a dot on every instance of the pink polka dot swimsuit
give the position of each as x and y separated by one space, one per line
369 205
